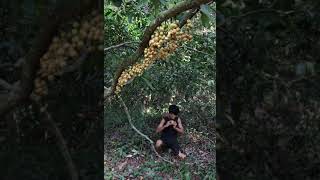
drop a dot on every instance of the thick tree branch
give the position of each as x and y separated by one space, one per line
65 11
163 16
179 8
140 133
189 15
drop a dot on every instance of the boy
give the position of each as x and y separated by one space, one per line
169 127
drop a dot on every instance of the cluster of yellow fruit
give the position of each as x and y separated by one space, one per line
163 42
85 36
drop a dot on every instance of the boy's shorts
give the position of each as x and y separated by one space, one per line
172 144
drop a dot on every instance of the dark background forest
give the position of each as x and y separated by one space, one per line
51 90
268 89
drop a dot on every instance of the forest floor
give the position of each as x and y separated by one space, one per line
129 156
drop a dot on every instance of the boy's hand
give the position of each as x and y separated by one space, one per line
174 124
170 123
167 124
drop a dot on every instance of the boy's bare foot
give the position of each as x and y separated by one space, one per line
182 156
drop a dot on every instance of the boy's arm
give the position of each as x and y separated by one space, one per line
179 127
161 126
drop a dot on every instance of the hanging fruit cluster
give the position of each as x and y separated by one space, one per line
163 42
84 36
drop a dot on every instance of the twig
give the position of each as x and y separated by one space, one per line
265 10
140 133
62 145
19 62
198 51
211 141
222 138
287 83
107 92
6 65
290 83
5 84
120 45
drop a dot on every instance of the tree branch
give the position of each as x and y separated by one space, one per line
6 65
140 133
189 15
5 84
120 45
163 16
62 144
258 11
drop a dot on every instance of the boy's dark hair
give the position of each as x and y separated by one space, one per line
174 109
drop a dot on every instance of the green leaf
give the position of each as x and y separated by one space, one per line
117 2
130 19
171 5
111 8
187 176
163 2
142 3
181 16
205 20
211 83
148 83
207 11
156 6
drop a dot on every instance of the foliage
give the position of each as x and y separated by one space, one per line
186 78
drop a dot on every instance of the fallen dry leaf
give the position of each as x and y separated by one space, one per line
121 166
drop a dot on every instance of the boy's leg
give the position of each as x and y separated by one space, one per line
176 150
159 144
